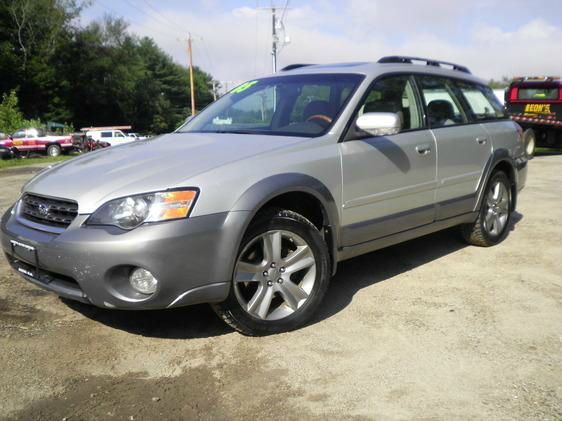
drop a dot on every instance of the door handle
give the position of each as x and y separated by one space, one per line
423 149
481 140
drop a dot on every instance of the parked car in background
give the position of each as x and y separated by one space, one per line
252 204
536 104
113 137
37 140
137 136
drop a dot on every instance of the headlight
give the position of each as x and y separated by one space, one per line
130 212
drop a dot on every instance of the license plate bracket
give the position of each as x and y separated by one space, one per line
17 248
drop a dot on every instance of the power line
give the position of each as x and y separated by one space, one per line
284 10
115 13
165 19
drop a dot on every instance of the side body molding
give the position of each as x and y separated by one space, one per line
253 199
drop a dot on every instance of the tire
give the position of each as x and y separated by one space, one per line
54 150
267 296
530 142
494 217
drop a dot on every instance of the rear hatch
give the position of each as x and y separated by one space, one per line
536 102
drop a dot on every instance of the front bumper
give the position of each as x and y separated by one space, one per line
191 258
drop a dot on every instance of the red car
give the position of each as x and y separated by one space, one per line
37 140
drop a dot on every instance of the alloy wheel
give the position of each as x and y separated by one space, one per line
497 208
274 275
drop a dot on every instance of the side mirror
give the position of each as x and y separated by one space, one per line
380 124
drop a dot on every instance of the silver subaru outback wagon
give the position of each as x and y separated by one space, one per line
250 205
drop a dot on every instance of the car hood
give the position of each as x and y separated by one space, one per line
161 163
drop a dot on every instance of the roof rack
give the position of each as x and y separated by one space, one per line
294 66
427 61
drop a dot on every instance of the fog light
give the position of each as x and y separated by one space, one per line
143 281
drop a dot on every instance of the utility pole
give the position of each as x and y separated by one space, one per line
275 40
214 90
276 23
192 85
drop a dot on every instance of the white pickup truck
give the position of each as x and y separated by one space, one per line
113 137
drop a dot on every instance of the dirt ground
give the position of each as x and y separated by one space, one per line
427 330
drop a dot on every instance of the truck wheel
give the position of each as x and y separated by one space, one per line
54 150
530 141
280 277
492 224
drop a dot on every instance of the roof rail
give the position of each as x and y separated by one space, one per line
427 61
294 66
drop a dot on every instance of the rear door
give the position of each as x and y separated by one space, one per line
388 181
463 145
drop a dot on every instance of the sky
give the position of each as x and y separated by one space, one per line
232 39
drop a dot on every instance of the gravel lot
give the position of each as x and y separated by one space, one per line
427 330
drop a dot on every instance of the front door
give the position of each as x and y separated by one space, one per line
388 181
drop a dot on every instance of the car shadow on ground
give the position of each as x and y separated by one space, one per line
353 275
198 321
381 265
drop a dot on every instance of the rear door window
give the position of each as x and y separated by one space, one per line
442 105
482 102
106 134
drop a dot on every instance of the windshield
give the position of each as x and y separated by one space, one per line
300 105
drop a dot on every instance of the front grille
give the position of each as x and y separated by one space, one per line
53 212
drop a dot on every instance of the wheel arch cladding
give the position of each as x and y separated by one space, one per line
500 160
301 191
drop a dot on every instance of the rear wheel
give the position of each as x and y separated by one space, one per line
280 277
54 150
492 223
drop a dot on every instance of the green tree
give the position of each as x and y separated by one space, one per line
31 32
499 84
96 75
11 118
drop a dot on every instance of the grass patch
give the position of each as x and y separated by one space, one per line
18 162
540 151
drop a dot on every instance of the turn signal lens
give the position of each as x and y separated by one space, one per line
171 205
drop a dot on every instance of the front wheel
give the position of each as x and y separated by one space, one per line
280 276
492 223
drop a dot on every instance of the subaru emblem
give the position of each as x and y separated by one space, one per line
43 209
